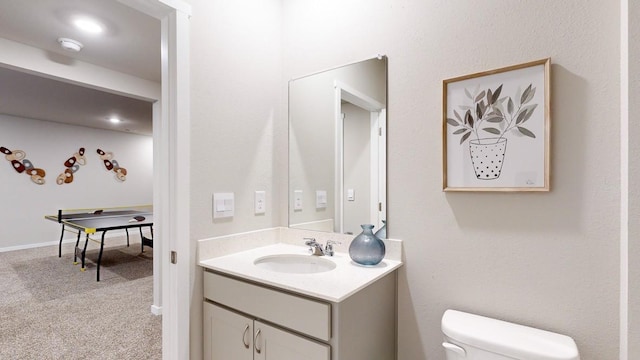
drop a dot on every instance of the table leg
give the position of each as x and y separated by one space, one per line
100 256
84 251
145 240
60 245
141 240
76 250
127 230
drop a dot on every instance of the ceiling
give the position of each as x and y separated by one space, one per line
130 44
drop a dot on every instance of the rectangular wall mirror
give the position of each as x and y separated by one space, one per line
337 148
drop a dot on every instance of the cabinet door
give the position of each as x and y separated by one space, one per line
227 335
274 344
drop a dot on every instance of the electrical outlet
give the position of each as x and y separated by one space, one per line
260 202
297 200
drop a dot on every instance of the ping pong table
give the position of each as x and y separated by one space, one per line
92 221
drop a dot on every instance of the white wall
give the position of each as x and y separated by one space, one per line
238 121
37 61
312 146
48 145
545 260
236 111
634 180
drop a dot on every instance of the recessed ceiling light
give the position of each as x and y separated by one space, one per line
88 25
114 119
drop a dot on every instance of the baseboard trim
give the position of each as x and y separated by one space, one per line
156 310
37 245
113 236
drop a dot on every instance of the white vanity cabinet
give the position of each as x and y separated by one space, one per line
228 335
231 335
248 320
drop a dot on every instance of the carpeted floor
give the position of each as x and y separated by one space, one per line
49 309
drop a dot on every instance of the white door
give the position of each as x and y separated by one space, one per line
275 344
226 334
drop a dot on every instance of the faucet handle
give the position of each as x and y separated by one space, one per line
328 249
309 241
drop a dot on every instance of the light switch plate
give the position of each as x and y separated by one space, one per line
351 195
321 199
260 202
223 205
297 200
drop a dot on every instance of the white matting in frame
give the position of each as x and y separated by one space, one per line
496 128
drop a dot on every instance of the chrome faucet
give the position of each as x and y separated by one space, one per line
328 249
315 248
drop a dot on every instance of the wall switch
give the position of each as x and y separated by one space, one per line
223 205
351 195
297 200
321 199
260 202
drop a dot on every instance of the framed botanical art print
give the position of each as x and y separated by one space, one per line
496 128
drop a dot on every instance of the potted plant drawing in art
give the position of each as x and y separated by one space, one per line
496 130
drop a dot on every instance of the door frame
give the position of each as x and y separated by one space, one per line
344 92
171 174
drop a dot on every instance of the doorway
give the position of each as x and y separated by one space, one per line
171 119
360 159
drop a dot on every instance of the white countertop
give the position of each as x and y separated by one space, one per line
334 285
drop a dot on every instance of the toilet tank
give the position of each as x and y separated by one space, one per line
473 337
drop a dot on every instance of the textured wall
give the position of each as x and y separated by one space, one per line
545 260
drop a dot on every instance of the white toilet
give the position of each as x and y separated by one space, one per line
474 337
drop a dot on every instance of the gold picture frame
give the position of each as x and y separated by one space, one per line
496 129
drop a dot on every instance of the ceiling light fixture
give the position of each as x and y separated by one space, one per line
114 120
88 25
70 44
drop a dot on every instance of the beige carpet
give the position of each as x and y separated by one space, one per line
49 309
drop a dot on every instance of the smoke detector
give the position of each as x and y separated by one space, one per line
70 44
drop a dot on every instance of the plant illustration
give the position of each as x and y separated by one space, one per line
488 113
489 118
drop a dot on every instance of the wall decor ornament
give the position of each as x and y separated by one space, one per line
496 129
72 165
21 164
112 165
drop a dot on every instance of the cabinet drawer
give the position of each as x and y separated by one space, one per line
294 312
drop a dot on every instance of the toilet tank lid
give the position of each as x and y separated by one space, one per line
508 339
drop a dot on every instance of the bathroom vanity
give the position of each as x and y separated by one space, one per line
319 308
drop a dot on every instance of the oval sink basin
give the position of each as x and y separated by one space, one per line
295 264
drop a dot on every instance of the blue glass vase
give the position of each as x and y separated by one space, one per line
366 248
